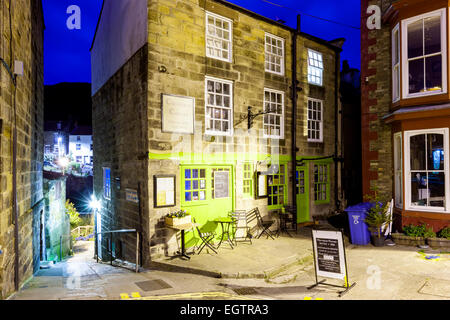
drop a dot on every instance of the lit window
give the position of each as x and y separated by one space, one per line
78 159
218 37
194 185
274 119
219 106
426 170
248 180
276 187
274 54
424 48
395 64
321 183
107 183
315 120
78 146
315 67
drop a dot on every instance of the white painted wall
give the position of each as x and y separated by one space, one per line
121 32
85 150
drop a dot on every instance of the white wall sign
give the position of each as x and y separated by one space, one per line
329 254
177 114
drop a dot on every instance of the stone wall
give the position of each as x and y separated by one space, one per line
120 143
26 45
56 221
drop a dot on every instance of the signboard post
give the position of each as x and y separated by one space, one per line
329 258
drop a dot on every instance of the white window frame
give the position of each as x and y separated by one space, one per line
398 170
396 70
212 132
407 166
106 192
269 54
281 136
230 41
310 67
308 119
405 64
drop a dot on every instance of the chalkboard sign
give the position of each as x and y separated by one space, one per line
329 254
221 184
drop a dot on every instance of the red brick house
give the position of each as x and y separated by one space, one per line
406 109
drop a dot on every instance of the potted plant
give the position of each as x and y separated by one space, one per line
178 218
441 240
377 220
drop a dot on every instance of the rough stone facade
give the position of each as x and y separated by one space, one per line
25 45
375 103
127 113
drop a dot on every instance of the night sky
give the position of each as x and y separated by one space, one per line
67 57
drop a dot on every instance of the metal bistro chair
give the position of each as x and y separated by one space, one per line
241 230
207 237
264 225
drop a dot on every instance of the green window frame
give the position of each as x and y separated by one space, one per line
247 180
277 189
321 183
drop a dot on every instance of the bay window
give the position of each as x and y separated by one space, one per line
395 64
424 54
427 170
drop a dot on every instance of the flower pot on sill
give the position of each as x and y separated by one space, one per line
173 222
438 243
377 241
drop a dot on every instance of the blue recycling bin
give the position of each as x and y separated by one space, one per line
359 232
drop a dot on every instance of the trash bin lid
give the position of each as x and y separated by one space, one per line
363 206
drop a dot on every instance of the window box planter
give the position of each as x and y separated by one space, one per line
172 222
404 240
438 243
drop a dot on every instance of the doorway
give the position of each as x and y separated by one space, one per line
302 192
207 194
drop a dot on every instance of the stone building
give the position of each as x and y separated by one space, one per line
406 110
21 117
171 97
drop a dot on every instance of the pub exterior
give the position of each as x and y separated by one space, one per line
405 131
177 86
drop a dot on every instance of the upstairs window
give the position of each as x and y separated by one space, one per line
315 120
274 54
218 37
424 49
315 67
395 64
78 146
274 119
219 106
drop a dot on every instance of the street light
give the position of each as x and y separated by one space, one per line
63 163
96 205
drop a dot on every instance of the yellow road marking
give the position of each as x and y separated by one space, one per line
135 295
191 295
124 296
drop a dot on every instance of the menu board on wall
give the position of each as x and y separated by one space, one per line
177 114
221 184
261 183
164 191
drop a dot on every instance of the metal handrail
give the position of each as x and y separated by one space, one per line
110 239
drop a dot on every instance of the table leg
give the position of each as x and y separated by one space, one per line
221 238
183 246
230 242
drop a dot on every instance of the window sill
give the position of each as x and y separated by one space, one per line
428 209
322 202
218 133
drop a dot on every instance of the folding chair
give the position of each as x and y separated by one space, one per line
241 231
264 225
207 237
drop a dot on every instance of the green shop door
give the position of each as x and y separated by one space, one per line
207 194
302 190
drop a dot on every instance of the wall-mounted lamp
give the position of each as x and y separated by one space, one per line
162 69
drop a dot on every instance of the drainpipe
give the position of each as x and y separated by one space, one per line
336 127
294 113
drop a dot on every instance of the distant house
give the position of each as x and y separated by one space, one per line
80 145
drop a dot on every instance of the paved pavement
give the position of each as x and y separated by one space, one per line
387 273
